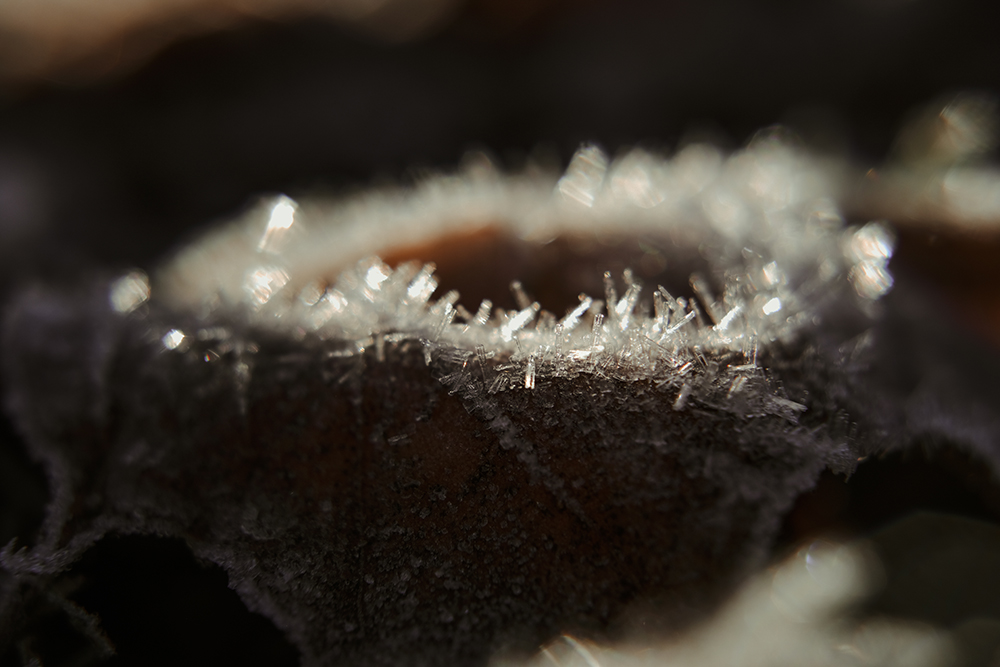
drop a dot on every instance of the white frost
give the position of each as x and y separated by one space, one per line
762 219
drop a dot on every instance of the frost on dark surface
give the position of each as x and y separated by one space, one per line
394 479
375 516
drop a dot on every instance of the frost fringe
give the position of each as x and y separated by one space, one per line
763 219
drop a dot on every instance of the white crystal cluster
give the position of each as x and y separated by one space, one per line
763 219
795 614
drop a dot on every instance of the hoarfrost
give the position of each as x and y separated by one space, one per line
129 292
790 266
349 423
796 614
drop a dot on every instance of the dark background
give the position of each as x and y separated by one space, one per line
117 171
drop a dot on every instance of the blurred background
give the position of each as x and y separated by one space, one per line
126 127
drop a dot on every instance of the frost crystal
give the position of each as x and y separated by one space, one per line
173 339
794 614
129 292
776 251
398 478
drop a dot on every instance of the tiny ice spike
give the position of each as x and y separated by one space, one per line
768 202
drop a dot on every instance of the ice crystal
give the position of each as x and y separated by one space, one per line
315 419
775 246
795 614
173 339
129 292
